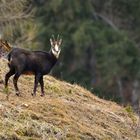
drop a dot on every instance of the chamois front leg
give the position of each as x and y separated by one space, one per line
37 78
42 85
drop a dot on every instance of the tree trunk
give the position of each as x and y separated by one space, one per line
125 90
135 94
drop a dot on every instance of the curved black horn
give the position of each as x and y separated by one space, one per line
53 37
57 37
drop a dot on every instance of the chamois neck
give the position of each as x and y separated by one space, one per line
53 58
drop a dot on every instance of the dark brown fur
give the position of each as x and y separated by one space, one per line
37 63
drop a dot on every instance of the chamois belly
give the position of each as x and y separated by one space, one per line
28 73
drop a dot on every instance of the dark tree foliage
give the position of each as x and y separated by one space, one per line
99 50
100 43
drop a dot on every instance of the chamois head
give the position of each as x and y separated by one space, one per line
4 47
55 45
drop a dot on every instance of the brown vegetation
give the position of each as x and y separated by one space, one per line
67 112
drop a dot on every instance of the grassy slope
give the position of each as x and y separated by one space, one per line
66 112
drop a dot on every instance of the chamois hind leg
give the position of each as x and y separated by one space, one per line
7 76
37 77
15 79
42 85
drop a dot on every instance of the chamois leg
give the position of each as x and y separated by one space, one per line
37 77
7 76
42 85
15 79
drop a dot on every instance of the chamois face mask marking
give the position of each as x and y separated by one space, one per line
56 47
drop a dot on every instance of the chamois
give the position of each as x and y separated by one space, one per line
38 63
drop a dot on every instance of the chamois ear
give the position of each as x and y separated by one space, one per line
51 42
60 41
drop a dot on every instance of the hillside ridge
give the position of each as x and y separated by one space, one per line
66 112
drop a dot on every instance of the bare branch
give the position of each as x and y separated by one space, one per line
106 20
14 15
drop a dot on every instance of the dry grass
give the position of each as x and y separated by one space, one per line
67 112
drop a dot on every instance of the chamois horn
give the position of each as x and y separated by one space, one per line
57 37
53 37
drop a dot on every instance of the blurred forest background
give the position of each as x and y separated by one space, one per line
101 41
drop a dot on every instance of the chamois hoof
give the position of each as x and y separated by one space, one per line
42 95
17 93
33 94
